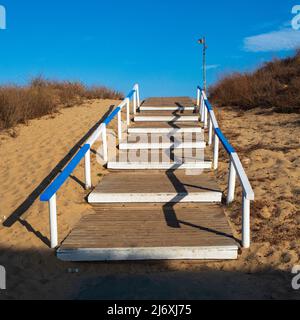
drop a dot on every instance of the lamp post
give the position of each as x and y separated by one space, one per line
203 42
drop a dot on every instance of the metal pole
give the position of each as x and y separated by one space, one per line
204 64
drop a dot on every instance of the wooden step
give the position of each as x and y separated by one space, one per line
156 187
165 127
166 118
166 130
179 112
161 101
158 166
163 146
167 108
159 160
151 232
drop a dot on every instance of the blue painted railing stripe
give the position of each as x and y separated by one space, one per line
131 93
208 105
228 147
111 116
59 181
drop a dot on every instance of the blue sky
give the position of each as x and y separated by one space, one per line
118 43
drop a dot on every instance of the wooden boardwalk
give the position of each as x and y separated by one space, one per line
155 214
147 232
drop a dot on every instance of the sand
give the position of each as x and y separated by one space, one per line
268 144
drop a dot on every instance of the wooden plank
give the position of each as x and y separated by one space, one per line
169 101
168 125
160 159
158 166
144 254
165 112
156 137
151 232
175 186
161 156
167 108
166 118
163 145
163 130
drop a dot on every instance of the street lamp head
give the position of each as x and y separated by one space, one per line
201 41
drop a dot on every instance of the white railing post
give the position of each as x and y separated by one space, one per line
200 104
210 132
87 170
216 152
128 111
120 125
134 102
231 183
198 97
137 88
246 223
104 144
202 108
53 222
205 116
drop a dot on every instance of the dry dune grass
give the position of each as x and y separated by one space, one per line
42 97
274 85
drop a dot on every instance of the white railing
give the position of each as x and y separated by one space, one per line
215 135
134 96
235 167
49 195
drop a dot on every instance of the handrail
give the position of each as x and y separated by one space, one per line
130 94
228 147
50 193
109 119
60 180
236 167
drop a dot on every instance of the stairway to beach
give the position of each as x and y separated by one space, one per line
160 199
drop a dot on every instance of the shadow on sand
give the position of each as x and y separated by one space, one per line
16 216
38 274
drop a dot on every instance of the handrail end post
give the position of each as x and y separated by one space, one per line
119 126
53 222
231 183
246 223
104 144
88 178
210 133
134 102
216 152
128 111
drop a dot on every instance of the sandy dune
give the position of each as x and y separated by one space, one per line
268 144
